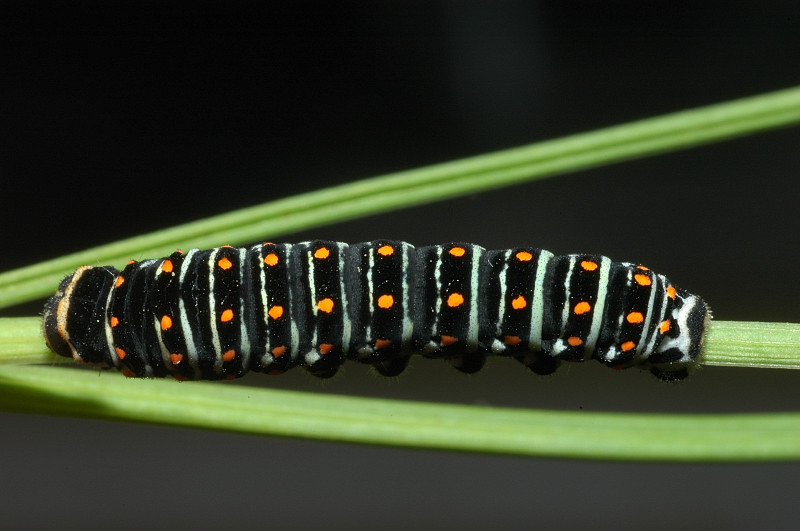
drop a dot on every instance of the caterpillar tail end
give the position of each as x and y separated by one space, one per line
680 353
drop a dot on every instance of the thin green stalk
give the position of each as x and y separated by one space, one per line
750 344
729 343
586 435
21 342
413 187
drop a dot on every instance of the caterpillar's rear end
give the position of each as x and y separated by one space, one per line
218 313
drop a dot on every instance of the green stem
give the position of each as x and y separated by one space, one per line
751 344
730 343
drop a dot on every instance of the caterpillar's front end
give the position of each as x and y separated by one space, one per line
74 321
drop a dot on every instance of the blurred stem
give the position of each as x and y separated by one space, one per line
573 434
670 132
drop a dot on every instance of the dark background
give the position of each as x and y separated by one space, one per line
121 120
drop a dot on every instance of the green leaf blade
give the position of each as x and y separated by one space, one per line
583 435
651 136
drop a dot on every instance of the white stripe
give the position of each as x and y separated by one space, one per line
472 331
244 343
62 312
537 306
212 314
107 327
651 344
437 276
501 278
565 311
191 351
599 308
408 322
162 346
294 351
312 356
262 276
649 317
370 267
347 325
313 295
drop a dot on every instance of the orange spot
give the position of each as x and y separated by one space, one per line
385 301
179 378
385 250
448 340
519 303
588 265
582 308
166 322
642 280
120 353
524 256
512 340
276 311
457 251
574 341
322 253
127 373
664 326
226 316
279 351
271 259
131 262
114 322
326 305
634 317
382 343
325 348
179 251
176 358
455 299
230 377
224 263
628 346
120 281
643 268
167 266
229 355
671 292
226 246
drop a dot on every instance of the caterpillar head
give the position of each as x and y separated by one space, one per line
80 302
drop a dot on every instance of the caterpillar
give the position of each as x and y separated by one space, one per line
219 313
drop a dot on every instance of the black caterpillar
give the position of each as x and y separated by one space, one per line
216 314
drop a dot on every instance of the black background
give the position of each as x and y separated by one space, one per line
125 119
